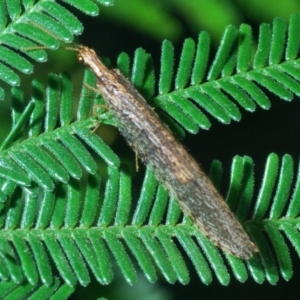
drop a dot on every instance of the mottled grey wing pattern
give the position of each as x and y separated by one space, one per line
173 166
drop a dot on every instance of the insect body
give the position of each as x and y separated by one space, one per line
173 166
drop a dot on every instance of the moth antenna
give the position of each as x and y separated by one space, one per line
75 48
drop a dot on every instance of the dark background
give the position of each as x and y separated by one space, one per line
138 23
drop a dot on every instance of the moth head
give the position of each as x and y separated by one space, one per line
85 54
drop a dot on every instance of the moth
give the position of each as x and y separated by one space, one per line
172 164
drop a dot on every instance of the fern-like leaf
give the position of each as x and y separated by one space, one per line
234 80
28 25
12 290
49 156
79 242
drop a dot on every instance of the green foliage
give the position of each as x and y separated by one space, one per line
234 80
44 23
12 290
67 210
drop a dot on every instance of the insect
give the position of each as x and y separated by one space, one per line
173 166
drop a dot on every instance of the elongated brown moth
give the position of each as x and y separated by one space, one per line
173 166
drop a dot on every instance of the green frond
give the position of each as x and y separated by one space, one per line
11 290
191 91
77 230
27 26
50 156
